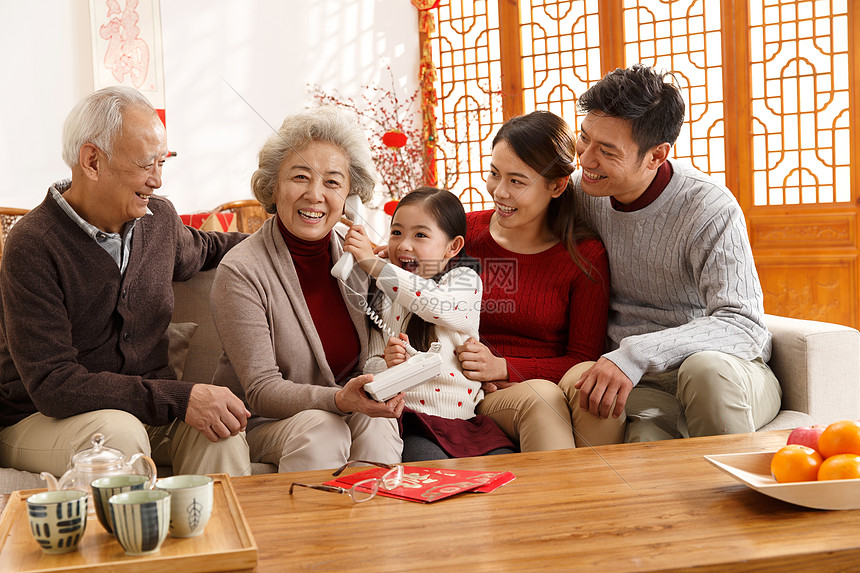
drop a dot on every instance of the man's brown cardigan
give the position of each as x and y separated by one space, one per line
75 335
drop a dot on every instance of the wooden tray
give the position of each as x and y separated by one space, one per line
225 545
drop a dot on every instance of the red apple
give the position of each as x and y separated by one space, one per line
806 436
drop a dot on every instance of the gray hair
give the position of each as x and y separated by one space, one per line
326 124
97 119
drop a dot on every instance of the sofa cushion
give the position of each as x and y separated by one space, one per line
13 480
179 335
191 304
787 420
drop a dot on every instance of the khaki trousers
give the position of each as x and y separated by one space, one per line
541 415
317 439
590 430
711 393
39 443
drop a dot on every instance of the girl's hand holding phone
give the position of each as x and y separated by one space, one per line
358 243
395 351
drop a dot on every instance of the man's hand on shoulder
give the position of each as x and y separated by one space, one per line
600 386
215 412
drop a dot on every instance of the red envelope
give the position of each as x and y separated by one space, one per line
426 485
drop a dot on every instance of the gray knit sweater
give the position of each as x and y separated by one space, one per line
682 273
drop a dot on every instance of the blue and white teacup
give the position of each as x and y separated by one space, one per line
58 519
140 520
107 487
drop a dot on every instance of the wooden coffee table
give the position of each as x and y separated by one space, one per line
637 507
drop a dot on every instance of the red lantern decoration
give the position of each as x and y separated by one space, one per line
394 138
389 207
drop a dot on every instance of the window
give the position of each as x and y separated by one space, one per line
769 87
494 62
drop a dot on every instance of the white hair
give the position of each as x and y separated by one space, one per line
325 124
97 119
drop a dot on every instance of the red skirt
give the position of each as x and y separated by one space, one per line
459 438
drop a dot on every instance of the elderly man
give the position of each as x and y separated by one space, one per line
85 303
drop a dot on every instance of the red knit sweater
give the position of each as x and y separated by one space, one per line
540 311
312 260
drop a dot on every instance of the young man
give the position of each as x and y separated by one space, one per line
686 327
85 302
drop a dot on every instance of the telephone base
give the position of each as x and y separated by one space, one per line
418 369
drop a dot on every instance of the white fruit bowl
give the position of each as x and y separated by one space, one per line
753 470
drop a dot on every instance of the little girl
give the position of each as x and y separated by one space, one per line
432 293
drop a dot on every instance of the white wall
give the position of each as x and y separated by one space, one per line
232 70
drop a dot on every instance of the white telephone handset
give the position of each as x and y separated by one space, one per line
343 268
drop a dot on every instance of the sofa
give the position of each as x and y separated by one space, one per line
195 350
817 364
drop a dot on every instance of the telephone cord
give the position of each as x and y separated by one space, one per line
377 320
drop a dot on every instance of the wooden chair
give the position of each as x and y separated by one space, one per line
8 217
250 214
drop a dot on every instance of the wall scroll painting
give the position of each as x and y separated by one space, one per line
126 39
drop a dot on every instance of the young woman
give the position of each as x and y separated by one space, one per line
430 294
546 291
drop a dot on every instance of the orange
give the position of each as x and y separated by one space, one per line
840 438
795 463
840 466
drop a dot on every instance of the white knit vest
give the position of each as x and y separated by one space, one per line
453 306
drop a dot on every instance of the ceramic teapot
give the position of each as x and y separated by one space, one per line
96 462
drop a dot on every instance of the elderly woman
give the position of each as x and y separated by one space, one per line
292 339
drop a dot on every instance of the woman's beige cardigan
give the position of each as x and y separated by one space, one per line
273 357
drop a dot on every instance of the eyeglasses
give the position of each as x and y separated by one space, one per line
364 490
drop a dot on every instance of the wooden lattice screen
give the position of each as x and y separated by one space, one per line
495 61
468 62
770 87
799 61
